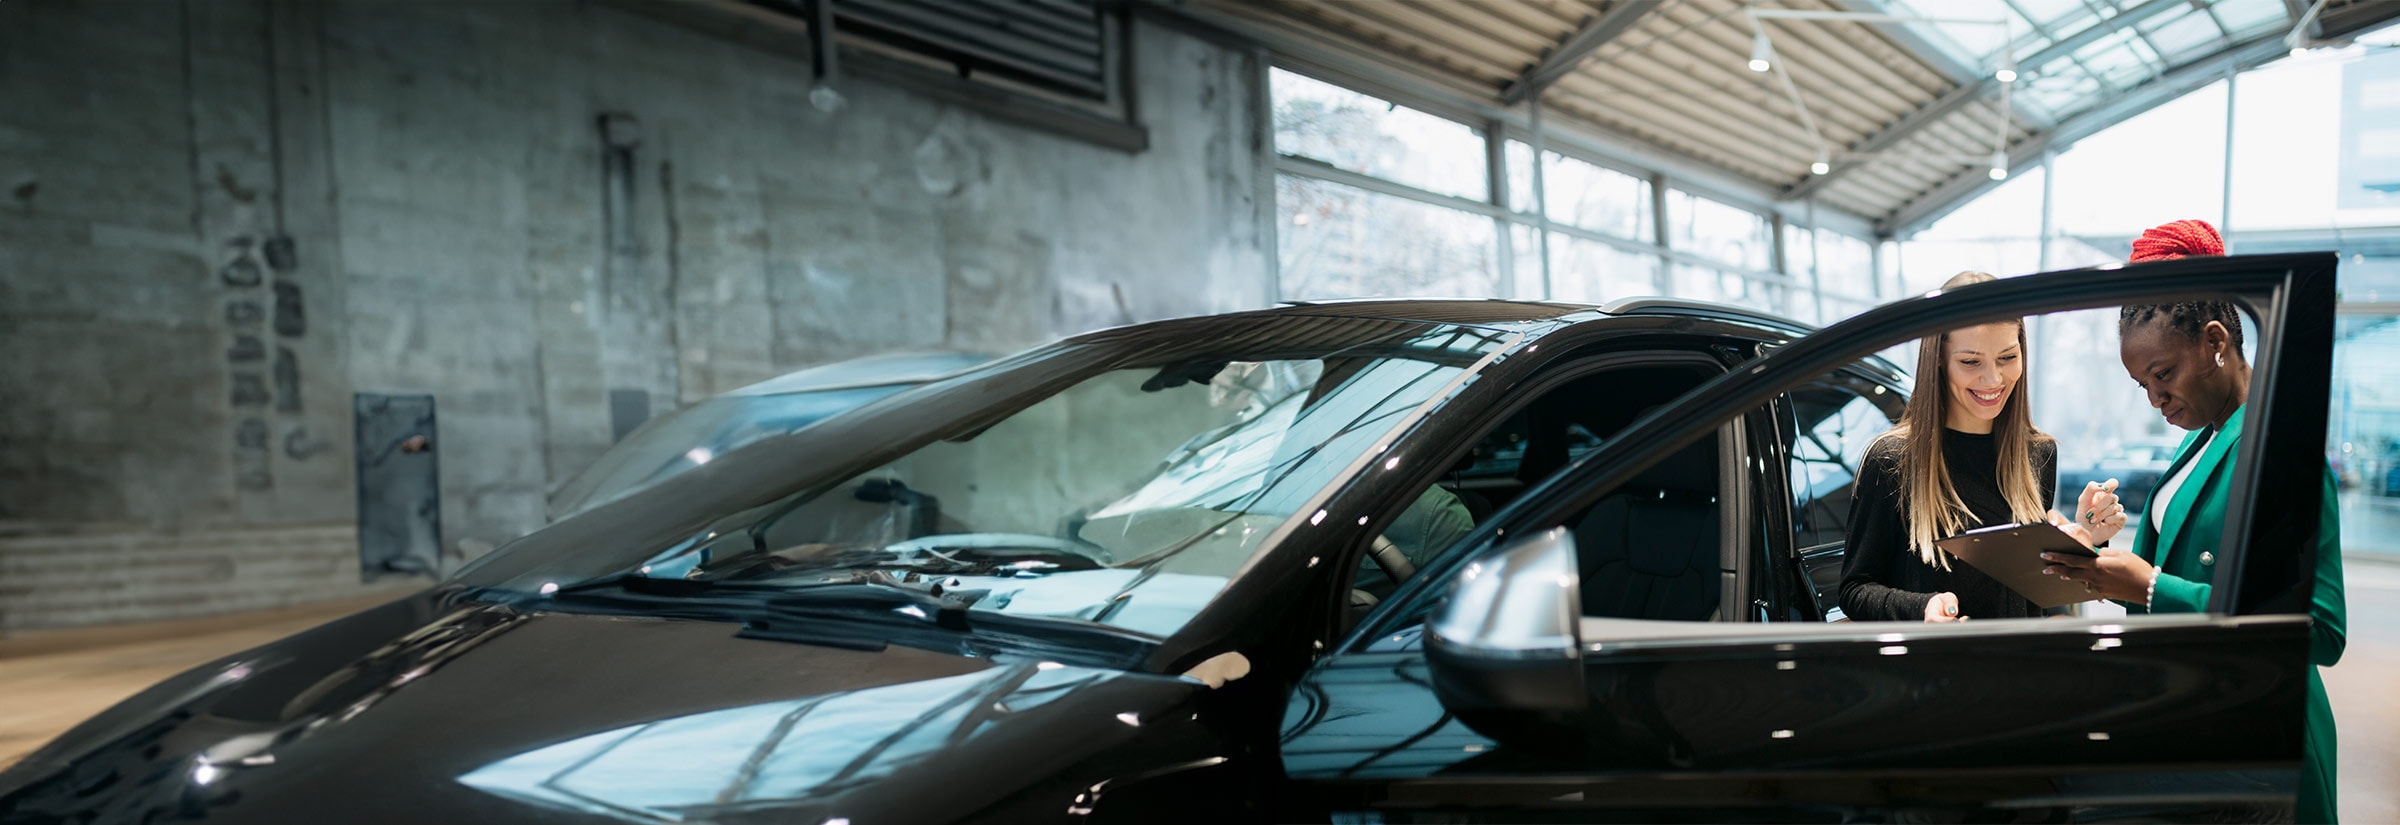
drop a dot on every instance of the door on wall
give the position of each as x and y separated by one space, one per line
399 486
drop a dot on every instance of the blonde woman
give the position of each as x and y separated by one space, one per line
1964 455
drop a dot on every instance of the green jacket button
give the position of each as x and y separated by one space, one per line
2208 557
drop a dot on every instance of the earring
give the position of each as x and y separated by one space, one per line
2220 360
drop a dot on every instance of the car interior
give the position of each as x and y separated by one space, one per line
1650 550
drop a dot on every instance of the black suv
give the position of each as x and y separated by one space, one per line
1367 561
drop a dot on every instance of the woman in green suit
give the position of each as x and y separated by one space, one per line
2188 357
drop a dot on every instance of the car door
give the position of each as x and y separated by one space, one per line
1616 718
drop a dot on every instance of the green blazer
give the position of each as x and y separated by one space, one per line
2185 550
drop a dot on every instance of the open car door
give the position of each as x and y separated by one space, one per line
1489 689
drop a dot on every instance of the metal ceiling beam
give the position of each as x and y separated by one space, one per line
2337 22
1352 65
1951 101
1562 59
2174 84
1912 42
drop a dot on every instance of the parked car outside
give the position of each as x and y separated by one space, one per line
1116 579
681 440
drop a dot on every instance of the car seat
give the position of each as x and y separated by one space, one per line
1650 549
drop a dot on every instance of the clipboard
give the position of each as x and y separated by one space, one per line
2012 555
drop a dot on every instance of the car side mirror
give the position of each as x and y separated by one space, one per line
1506 649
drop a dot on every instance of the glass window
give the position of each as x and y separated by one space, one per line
1595 272
1698 283
1973 40
1582 194
2049 13
1127 493
1799 252
2114 56
2246 17
2186 36
1720 232
1344 242
1995 233
2164 164
2363 438
2291 135
2059 93
1371 136
691 437
1836 309
1834 428
1518 453
1845 266
1703 283
1525 253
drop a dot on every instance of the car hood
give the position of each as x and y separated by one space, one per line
429 709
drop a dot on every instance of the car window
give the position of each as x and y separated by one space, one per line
1831 427
1834 426
680 441
1567 422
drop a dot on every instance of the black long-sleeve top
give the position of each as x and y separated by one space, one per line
1883 579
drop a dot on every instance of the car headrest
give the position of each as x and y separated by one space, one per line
1691 470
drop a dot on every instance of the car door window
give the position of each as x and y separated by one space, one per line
1828 428
1835 424
1564 422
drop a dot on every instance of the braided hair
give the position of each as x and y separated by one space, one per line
2187 317
2181 239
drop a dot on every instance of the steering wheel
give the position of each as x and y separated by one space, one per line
1394 563
947 543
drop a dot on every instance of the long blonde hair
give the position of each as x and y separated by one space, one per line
1929 503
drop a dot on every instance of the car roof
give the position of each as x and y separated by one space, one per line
1536 316
1505 311
869 371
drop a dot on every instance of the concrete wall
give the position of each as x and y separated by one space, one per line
461 228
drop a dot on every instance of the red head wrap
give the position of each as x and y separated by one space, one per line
2177 239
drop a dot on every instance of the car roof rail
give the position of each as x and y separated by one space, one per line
1661 305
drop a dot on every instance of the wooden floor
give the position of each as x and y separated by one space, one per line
49 682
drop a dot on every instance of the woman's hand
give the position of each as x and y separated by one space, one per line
1943 607
2098 511
2115 574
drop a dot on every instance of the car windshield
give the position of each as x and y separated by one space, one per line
1128 496
679 441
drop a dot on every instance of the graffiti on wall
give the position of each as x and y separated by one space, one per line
263 304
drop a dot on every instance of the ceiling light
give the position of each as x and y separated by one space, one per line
2008 66
1819 168
1759 50
2006 75
1999 166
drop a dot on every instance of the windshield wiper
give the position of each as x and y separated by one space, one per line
868 611
762 604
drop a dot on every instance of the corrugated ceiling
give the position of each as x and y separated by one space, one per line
1906 115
